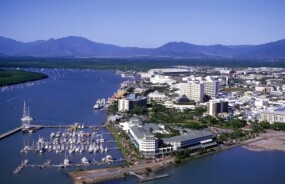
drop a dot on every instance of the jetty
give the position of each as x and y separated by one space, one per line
37 127
11 132
145 179
47 163
154 177
21 166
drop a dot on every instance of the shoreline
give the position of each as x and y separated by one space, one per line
111 173
270 141
107 174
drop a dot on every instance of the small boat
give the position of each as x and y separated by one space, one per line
84 161
66 162
90 149
109 158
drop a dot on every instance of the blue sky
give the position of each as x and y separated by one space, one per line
145 23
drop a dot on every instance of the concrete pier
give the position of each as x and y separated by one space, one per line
154 178
11 132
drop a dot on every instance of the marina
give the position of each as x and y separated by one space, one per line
75 138
86 141
70 141
52 114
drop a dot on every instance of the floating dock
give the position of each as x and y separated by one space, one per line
20 167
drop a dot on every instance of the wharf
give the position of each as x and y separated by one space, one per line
154 177
11 132
63 126
48 164
101 175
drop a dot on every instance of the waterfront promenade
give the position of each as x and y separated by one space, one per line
100 175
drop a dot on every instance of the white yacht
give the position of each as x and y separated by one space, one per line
66 162
84 160
109 158
90 149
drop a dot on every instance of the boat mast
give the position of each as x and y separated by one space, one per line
25 110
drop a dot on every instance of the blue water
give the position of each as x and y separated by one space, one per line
233 166
69 95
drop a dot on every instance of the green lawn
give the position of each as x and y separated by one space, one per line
8 77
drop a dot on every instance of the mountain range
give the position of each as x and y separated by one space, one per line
73 46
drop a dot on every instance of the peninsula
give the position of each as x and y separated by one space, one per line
9 76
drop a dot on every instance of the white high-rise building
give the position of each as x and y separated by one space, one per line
123 105
214 107
211 88
193 90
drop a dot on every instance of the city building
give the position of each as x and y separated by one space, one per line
211 88
195 139
214 107
147 143
161 79
272 116
130 102
157 96
260 103
169 71
193 90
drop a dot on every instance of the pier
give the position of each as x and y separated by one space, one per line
37 127
154 177
145 179
48 164
21 166
11 132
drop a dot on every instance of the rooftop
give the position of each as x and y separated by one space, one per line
194 134
141 132
279 111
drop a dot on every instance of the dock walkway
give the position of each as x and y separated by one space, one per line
11 132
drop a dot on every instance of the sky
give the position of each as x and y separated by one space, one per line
145 23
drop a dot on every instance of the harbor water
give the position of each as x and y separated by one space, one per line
68 96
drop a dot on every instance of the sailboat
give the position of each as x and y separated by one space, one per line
26 114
